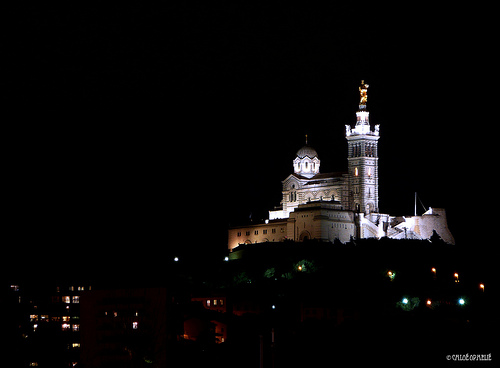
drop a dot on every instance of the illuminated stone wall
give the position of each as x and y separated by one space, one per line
272 231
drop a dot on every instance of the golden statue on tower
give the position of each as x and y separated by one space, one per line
363 90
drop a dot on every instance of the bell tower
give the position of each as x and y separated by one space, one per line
362 159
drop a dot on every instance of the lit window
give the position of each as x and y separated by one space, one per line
66 318
221 302
215 302
14 287
76 345
33 317
76 327
33 364
355 171
66 299
135 325
81 288
44 317
71 288
65 326
208 302
76 299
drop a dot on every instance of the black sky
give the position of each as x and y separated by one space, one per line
132 124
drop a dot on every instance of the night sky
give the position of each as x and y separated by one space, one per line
137 125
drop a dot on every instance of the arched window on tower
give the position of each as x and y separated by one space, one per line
370 150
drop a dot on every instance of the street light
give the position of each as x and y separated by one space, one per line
456 277
481 286
405 300
461 301
391 275
429 302
434 275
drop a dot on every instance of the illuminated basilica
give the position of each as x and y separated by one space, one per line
339 205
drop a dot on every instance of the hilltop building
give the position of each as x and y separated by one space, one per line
339 205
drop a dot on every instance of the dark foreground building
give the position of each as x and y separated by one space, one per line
124 328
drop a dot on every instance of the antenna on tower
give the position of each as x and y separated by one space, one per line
306 139
416 196
415 204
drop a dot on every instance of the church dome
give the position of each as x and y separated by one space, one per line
307 151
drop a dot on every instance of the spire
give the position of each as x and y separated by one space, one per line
362 115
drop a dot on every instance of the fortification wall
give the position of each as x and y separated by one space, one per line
433 219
